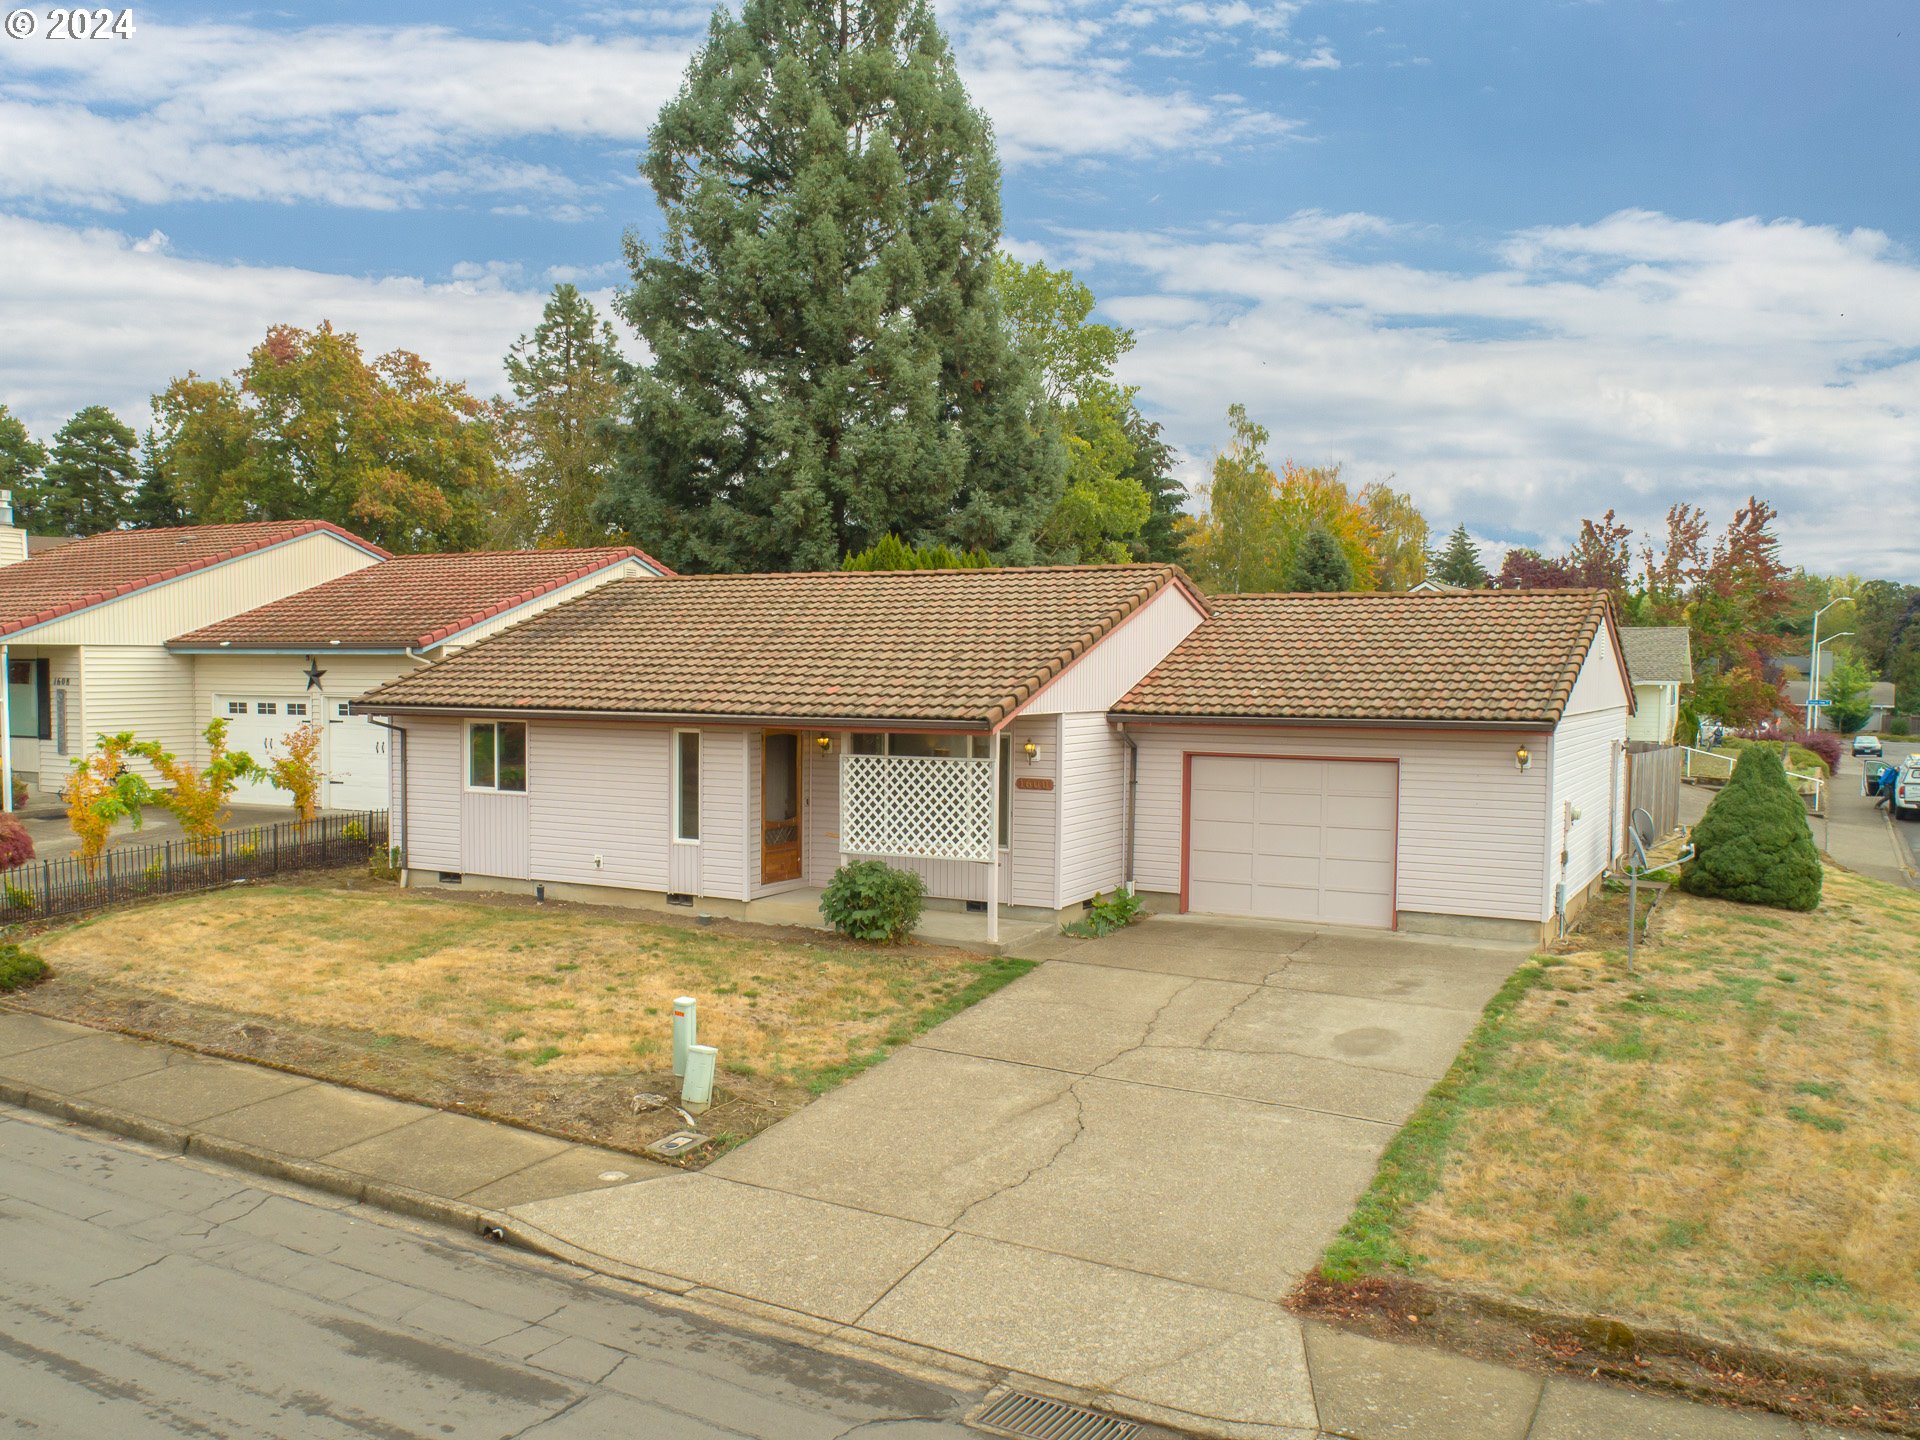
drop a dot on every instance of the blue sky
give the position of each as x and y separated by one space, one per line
1532 259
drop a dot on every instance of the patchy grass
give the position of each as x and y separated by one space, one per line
1726 1143
435 996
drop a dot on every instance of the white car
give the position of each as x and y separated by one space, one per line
1906 790
1864 744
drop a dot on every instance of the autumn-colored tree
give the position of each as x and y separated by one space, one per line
1668 577
296 770
315 431
1229 543
1400 536
198 799
101 792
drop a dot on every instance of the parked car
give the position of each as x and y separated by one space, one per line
1906 791
1864 744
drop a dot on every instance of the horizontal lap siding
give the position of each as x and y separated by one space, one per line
1027 870
1120 661
1472 827
598 790
433 794
142 688
723 814
1093 802
1587 776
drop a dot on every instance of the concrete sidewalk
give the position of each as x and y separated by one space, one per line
405 1157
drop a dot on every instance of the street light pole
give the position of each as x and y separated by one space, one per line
1813 685
1813 658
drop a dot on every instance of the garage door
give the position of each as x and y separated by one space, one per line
1292 839
356 761
259 725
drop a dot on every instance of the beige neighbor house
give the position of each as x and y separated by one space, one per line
302 658
1660 660
84 628
1030 737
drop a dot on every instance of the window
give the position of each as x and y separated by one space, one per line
296 707
497 755
266 707
60 722
236 707
686 786
914 742
341 708
29 706
1006 791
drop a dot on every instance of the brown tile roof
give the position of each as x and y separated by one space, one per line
954 648
52 583
409 601
1473 657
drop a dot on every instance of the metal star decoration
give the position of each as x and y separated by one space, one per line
314 673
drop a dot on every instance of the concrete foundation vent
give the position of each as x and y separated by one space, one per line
1034 1417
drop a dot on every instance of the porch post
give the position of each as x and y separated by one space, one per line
6 725
993 839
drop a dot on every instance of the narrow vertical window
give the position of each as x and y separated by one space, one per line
1006 791
510 746
686 785
480 756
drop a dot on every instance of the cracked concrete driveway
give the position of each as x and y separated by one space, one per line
1105 1175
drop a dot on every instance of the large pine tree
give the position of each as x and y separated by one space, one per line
829 361
566 380
1459 563
22 459
89 474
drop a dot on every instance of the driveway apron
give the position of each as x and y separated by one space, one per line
1106 1175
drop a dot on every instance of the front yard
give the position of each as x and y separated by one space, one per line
554 1017
1725 1144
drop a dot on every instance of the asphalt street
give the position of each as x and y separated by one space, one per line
151 1295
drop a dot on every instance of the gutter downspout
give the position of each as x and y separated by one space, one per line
1131 787
6 726
399 841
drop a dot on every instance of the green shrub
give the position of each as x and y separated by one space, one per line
19 968
1897 725
17 898
1108 914
870 900
354 831
1754 844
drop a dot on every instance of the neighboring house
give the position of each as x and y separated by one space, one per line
303 658
84 628
1032 736
1880 703
1431 586
1660 660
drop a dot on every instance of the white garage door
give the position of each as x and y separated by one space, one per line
1292 839
356 762
259 725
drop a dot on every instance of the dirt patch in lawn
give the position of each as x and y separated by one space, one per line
554 1017
1725 1146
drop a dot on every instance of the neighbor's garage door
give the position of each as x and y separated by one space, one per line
1292 839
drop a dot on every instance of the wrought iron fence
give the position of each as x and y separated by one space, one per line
45 888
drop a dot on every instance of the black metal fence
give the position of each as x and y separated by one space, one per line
45 888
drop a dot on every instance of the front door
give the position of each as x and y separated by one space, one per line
779 807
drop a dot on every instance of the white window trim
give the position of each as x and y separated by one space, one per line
466 759
673 784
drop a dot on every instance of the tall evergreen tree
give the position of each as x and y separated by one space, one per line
156 502
1459 563
89 474
1153 468
1320 563
566 378
22 459
829 361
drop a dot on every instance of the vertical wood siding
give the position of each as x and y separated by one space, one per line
599 789
1122 659
434 778
1093 839
1472 828
495 836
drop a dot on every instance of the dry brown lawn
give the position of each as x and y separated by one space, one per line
1728 1142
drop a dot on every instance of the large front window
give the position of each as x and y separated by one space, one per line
497 755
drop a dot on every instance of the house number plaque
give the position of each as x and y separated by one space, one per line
1033 782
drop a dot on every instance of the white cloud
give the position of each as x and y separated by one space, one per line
1320 57
1632 363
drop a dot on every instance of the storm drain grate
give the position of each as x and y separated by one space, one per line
1034 1417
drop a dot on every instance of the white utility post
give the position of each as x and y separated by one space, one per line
6 725
993 838
1813 656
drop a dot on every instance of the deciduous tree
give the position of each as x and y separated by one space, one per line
1400 536
828 358
22 459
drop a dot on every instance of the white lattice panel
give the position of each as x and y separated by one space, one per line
915 806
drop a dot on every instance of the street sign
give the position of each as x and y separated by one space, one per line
1820 702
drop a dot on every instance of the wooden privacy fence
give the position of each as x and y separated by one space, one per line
1653 782
44 888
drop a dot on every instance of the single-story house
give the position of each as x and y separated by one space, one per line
84 629
1660 660
1880 706
305 657
1028 738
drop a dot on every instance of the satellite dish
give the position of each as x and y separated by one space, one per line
1643 827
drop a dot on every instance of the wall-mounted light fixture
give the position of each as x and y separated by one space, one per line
1031 751
825 742
1522 758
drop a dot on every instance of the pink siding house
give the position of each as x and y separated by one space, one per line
1026 739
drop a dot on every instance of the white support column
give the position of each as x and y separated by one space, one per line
993 840
6 725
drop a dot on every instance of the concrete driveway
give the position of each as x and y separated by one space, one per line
1106 1175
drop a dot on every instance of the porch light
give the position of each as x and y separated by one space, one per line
1522 758
1030 750
825 742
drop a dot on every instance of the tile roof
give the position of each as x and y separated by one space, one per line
1658 654
52 583
954 648
1472 657
409 601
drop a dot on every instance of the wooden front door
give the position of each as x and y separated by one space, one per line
779 807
